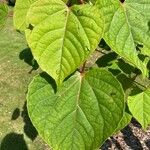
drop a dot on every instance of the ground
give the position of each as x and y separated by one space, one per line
15 75
132 137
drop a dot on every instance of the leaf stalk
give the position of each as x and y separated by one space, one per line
82 69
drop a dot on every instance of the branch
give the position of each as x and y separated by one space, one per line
82 68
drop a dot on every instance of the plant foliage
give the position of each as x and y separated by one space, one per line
139 105
81 107
75 104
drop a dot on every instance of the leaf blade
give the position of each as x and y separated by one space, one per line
77 108
119 32
65 43
20 12
139 106
139 18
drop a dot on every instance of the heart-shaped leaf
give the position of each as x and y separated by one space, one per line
139 105
61 38
81 115
126 27
20 12
139 17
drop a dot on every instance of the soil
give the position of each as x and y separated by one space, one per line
132 137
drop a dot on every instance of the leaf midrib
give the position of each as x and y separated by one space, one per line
77 105
63 40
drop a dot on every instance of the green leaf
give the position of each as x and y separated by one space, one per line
65 1
81 115
61 38
126 27
3 14
20 12
139 17
139 106
141 6
124 121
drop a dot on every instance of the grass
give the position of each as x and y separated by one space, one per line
16 130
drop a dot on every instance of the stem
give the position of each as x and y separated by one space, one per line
82 69
140 84
81 1
68 3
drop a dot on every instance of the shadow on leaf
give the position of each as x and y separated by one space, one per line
125 67
148 25
104 45
106 60
50 80
125 81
